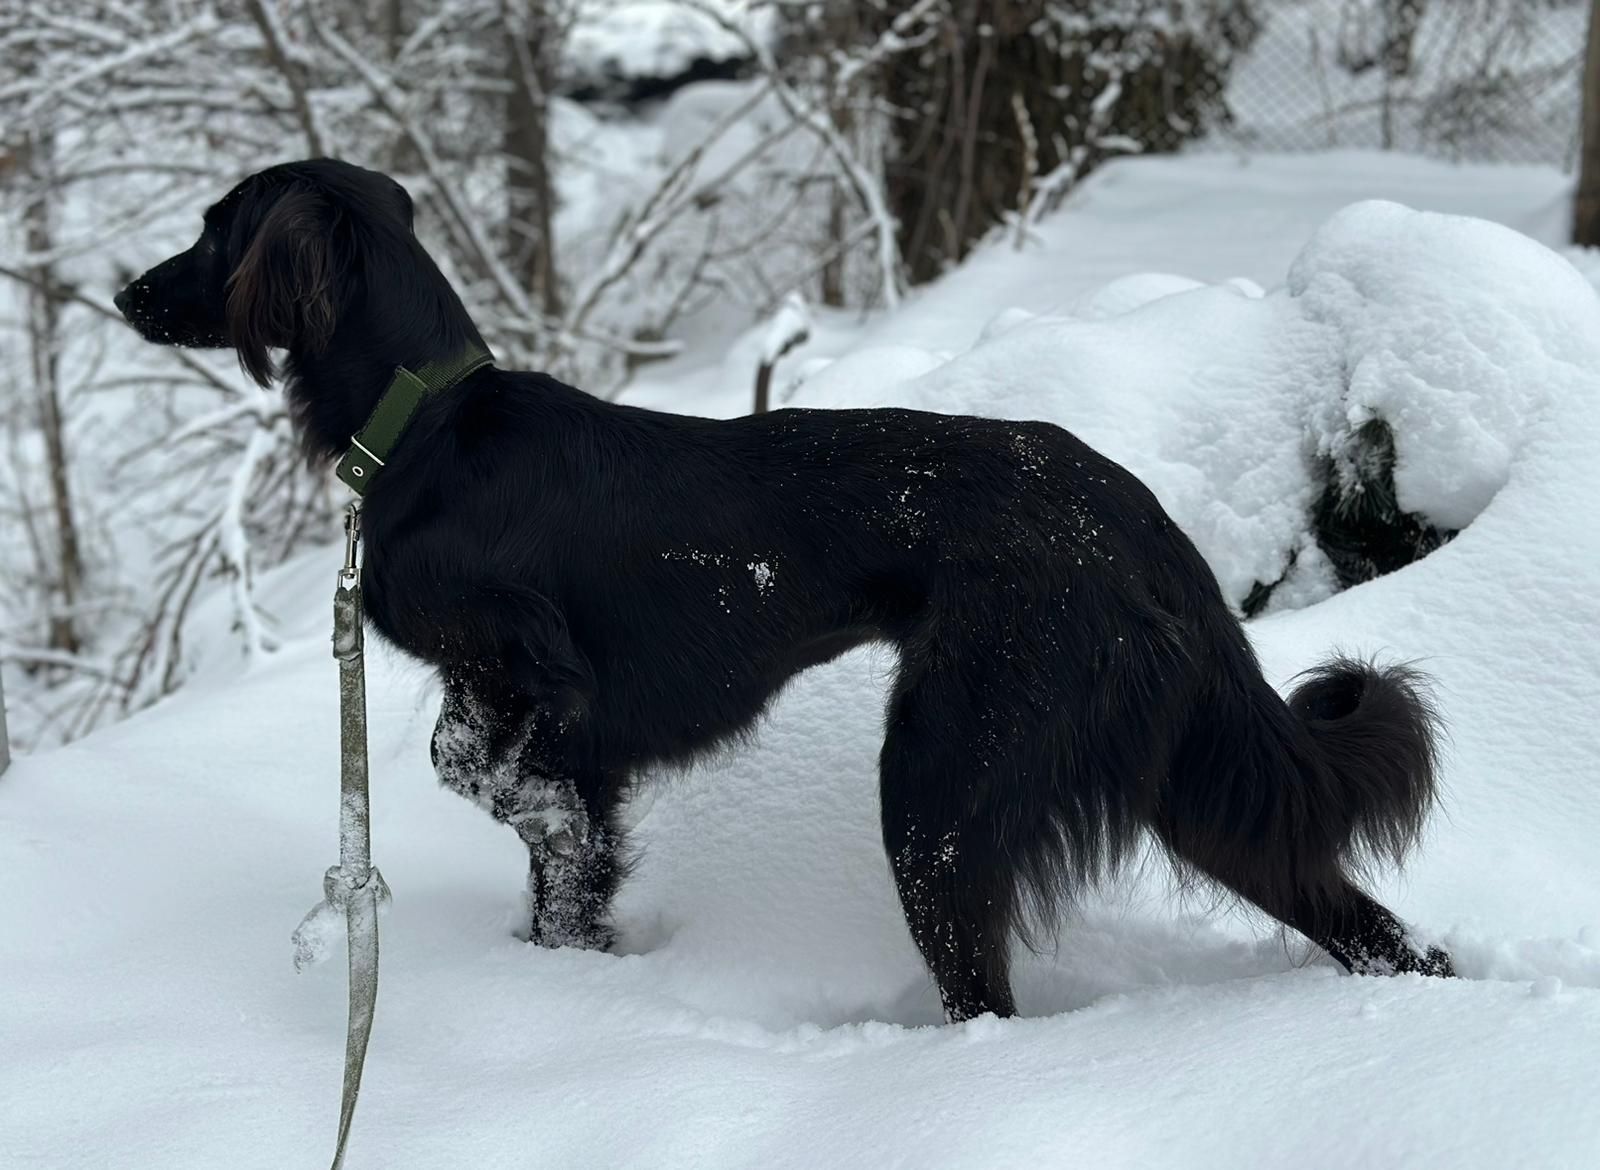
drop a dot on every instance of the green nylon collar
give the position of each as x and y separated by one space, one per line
375 441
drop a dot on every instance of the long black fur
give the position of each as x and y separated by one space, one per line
606 589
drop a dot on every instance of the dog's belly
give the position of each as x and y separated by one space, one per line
642 718
824 649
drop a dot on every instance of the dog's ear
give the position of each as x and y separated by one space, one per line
281 293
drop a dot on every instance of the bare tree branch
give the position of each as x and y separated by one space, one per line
69 293
292 68
814 117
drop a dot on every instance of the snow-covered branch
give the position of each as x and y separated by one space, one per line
234 544
39 89
1048 191
463 223
662 206
816 117
290 63
77 296
911 29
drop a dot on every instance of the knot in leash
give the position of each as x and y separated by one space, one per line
341 890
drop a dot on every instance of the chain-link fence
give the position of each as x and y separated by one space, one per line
1473 80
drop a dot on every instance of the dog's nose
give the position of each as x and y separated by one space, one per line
122 299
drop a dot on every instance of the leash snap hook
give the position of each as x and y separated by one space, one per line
352 537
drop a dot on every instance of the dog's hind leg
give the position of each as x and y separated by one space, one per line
957 829
1365 937
509 756
1308 892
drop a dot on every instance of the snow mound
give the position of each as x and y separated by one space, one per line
1230 402
1457 333
1127 293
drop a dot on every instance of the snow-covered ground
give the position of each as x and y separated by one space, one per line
768 1009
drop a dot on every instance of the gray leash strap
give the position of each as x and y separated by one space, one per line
353 888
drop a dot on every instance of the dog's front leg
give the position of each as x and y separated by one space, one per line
503 754
571 870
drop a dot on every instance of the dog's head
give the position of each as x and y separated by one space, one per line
272 267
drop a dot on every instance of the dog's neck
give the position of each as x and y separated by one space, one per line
404 319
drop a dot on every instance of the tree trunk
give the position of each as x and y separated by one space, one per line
840 30
392 24
5 739
763 401
65 577
533 33
831 292
1586 208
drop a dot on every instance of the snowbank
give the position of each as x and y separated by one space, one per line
768 1008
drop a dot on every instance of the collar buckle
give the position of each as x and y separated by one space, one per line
372 445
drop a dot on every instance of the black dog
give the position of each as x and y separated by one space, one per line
606 589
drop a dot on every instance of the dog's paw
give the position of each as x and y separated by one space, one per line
1437 963
596 936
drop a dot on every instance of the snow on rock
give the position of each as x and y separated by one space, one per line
789 325
1456 332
